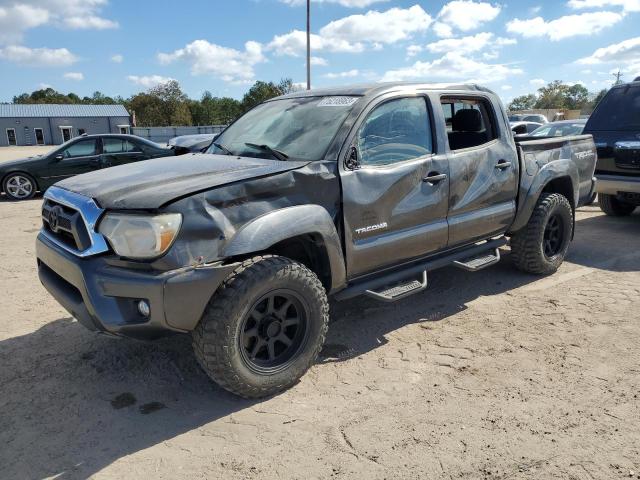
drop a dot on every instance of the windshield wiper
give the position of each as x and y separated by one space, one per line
223 148
276 153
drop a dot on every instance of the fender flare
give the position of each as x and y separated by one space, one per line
267 230
549 172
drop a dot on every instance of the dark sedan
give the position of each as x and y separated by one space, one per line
20 179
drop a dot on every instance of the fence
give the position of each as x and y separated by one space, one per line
163 134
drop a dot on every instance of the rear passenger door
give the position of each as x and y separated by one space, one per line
483 168
395 198
119 151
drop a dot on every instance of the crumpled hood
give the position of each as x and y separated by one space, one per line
153 183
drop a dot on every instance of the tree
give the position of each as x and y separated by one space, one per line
523 102
262 91
553 95
577 96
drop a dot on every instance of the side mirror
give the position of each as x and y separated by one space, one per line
352 162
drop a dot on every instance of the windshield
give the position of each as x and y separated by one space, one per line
301 128
559 130
618 110
515 118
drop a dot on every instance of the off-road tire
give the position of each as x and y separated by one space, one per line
610 205
527 245
6 189
216 339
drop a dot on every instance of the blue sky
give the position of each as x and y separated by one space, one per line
122 47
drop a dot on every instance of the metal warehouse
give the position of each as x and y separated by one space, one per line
45 124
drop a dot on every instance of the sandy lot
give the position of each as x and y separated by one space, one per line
496 375
11 153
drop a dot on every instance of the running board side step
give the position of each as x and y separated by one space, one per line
380 282
473 264
398 292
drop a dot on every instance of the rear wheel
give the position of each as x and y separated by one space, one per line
610 205
541 246
264 328
19 186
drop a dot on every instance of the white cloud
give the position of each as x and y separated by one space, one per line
44 86
347 74
474 43
442 30
564 27
229 64
627 51
18 17
455 67
344 3
465 15
355 33
627 5
148 81
76 76
537 82
38 57
506 87
294 44
413 50
117 58
319 61
386 27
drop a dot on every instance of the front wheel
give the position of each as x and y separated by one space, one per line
263 328
610 205
540 247
19 186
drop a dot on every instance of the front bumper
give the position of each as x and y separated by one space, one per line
614 184
104 297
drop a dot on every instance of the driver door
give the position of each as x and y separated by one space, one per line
395 198
79 157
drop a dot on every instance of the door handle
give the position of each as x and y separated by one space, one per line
434 178
503 164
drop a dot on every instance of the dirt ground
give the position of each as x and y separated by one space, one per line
496 375
11 153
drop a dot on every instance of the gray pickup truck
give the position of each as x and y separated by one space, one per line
337 192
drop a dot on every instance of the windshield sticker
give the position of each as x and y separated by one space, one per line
337 101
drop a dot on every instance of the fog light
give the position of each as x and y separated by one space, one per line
143 308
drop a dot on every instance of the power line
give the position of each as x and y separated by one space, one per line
308 44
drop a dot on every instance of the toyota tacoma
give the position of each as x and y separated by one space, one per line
325 193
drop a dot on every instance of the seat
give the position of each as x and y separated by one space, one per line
468 130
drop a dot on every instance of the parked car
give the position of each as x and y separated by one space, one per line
196 143
336 192
21 179
615 126
524 128
528 117
562 128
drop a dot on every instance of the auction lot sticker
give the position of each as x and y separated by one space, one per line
340 101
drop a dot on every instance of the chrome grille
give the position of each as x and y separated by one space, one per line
69 220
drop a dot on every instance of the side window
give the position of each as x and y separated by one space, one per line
470 122
395 131
83 148
118 145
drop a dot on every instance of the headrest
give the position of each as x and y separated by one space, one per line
468 120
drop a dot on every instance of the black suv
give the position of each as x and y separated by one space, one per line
615 126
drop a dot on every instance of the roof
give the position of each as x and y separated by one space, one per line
12 110
375 89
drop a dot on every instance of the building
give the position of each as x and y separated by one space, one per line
45 124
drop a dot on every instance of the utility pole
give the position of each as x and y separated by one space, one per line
618 76
308 44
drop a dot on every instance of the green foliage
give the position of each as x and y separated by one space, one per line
524 102
557 95
167 104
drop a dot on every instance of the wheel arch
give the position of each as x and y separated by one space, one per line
304 233
560 176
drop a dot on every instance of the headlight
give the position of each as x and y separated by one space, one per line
140 236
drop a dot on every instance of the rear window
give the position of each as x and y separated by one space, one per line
618 110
